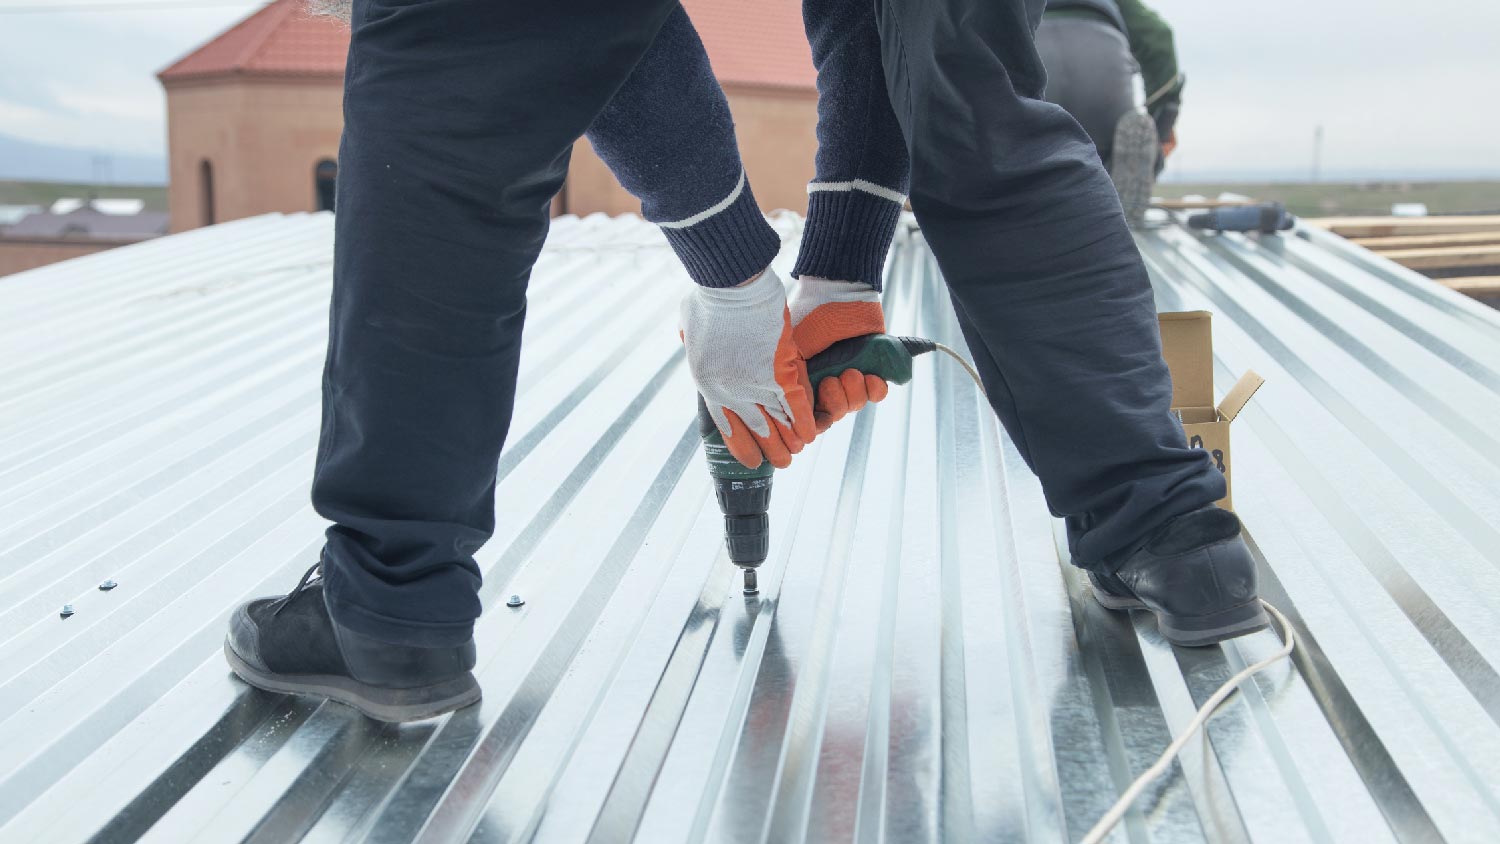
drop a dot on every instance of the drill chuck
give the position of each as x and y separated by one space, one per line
748 539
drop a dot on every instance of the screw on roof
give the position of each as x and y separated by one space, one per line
107 585
515 601
67 610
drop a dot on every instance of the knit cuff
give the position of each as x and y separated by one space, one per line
847 236
728 247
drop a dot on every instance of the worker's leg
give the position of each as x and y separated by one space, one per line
1052 292
1090 73
668 136
458 121
856 197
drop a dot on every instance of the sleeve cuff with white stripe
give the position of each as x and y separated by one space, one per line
727 244
849 230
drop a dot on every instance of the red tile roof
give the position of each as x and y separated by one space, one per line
282 39
758 44
755 42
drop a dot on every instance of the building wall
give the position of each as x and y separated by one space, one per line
262 136
776 132
18 255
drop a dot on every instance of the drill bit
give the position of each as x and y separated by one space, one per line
752 583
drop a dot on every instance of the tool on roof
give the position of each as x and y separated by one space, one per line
745 494
1265 217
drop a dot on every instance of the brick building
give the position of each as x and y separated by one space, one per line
253 116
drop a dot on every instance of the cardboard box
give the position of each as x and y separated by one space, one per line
1188 345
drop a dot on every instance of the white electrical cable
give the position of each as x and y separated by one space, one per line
1211 706
1116 812
964 362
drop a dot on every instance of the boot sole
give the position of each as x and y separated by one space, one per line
1132 165
1115 602
378 702
1195 631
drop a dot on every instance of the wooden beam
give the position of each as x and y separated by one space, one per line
1430 241
1446 258
1474 285
1397 226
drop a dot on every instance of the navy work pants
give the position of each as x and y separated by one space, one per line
459 117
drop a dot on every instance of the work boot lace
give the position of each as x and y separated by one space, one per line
312 575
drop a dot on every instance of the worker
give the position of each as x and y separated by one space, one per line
458 120
1092 50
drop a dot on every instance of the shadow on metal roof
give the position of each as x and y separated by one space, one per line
922 664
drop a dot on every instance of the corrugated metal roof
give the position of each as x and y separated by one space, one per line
921 665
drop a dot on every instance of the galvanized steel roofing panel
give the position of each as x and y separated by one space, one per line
921 665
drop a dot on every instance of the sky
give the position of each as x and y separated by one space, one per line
1402 89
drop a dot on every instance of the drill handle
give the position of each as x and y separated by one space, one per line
706 426
883 355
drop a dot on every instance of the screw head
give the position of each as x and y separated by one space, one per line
515 601
107 585
67 610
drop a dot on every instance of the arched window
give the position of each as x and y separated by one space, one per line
206 192
325 176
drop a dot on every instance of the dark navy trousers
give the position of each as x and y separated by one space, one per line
459 117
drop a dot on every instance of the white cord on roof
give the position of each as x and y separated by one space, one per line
1207 711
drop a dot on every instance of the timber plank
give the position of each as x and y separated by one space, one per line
1447 257
1474 285
1380 244
1398 226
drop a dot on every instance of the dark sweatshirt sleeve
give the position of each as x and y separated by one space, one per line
1151 44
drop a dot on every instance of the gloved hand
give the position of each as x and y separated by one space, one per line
823 313
742 356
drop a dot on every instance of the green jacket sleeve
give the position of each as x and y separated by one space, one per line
1151 44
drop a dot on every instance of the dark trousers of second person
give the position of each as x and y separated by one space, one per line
1090 72
459 118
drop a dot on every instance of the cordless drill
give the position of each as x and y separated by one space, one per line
745 494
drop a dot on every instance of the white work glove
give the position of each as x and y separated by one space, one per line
747 368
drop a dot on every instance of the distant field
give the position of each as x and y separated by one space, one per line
1323 199
1326 199
44 193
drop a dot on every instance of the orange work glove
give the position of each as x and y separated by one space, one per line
747 368
823 313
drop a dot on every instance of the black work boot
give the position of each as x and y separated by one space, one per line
1196 575
292 645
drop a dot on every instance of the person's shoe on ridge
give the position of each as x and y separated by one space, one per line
292 645
1196 575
